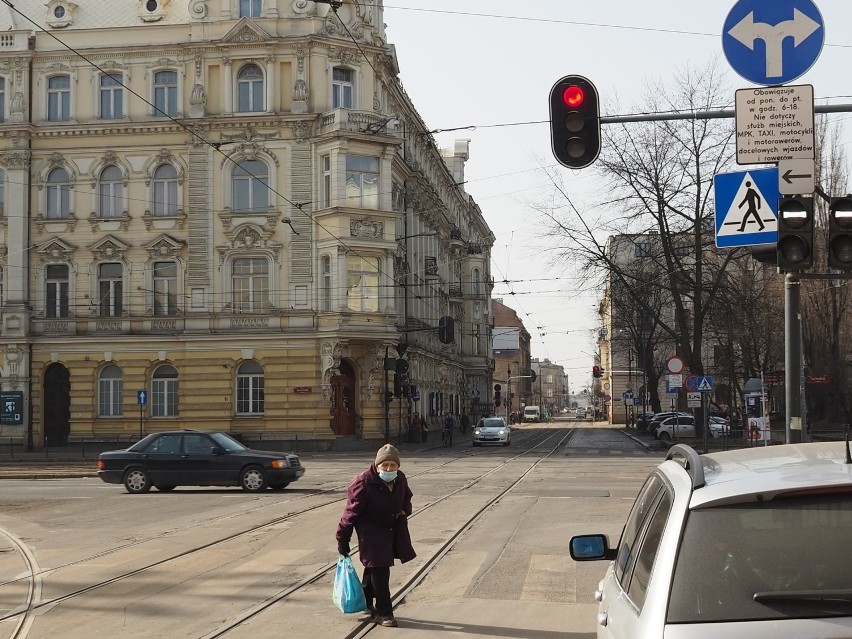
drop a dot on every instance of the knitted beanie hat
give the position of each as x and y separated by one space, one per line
387 453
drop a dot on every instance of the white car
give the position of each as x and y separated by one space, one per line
745 543
492 430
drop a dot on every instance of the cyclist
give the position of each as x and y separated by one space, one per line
447 432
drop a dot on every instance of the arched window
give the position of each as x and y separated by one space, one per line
250 89
111 193
250 389
250 186
342 88
58 194
109 391
250 285
164 191
164 392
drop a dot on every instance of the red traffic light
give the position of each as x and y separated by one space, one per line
573 96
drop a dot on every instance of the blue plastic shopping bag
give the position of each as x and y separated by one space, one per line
348 594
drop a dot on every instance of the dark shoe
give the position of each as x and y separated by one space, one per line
387 622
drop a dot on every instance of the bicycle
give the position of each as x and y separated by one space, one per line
447 437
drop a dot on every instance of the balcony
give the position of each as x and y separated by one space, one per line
349 121
430 267
455 293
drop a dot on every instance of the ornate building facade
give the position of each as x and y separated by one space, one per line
227 214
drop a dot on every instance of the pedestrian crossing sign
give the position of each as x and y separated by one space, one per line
747 208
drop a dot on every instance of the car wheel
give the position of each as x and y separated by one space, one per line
506 443
475 444
164 489
279 486
664 436
253 479
136 481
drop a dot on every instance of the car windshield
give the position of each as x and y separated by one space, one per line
765 560
491 423
227 442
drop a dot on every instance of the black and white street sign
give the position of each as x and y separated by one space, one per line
775 124
796 177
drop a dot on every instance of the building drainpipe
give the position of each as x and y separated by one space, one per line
31 45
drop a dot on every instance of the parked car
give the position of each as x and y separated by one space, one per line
581 413
196 458
644 420
675 427
719 427
745 543
659 417
492 430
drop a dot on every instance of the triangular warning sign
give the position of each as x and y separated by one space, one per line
748 212
704 386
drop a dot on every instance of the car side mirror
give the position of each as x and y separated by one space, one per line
217 450
590 548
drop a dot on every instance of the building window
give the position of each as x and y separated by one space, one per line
362 287
2 99
165 288
109 392
250 186
164 191
477 329
642 249
250 389
1 286
362 182
325 293
475 281
59 98
342 87
56 291
2 191
250 285
110 286
164 392
112 97
111 193
250 8
250 89
326 181
165 93
58 194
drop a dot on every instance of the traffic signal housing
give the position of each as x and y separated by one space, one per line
575 122
596 371
497 398
795 233
840 233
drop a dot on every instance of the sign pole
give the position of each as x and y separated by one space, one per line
792 355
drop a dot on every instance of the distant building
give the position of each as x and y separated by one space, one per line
511 359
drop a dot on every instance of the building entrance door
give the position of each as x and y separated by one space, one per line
344 419
56 407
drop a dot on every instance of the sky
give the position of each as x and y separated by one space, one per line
492 63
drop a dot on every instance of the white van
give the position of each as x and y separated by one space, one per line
532 414
581 413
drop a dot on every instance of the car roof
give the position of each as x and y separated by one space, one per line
762 472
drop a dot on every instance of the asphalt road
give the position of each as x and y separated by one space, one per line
193 562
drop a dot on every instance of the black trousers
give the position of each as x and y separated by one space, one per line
376 582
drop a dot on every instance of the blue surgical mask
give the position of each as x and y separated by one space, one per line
387 475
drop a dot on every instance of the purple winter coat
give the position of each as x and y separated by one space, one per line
375 514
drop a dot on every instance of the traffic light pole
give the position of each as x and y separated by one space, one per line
793 356
716 114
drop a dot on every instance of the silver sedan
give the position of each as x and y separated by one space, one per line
492 430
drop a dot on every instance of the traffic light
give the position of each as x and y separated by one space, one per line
795 233
497 398
388 397
400 379
596 371
840 233
446 330
533 376
575 122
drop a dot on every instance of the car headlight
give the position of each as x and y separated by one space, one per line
279 463
502 432
477 432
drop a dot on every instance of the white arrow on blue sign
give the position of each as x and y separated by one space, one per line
141 397
773 42
747 208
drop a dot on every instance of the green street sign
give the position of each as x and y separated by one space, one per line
11 408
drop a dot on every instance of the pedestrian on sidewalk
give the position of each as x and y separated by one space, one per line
465 423
418 428
377 508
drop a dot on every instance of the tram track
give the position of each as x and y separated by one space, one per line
24 615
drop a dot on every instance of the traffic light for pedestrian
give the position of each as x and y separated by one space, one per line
446 330
840 233
795 233
575 122
596 371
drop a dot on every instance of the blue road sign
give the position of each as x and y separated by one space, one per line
773 42
141 397
747 208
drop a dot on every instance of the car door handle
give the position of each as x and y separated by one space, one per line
603 619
